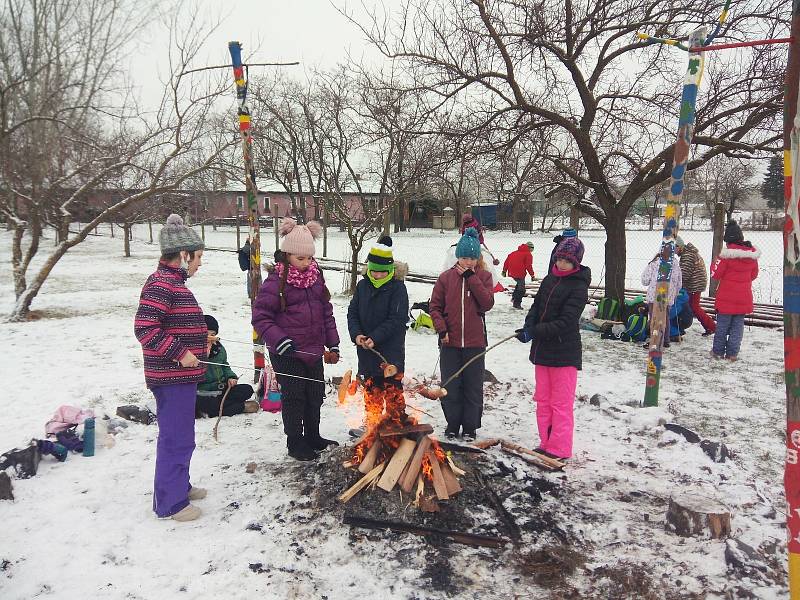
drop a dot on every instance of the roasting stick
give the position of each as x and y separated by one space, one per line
441 392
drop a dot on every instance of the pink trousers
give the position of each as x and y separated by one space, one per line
555 397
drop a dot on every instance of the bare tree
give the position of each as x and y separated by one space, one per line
69 128
611 98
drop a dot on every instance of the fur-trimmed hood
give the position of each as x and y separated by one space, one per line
740 251
400 270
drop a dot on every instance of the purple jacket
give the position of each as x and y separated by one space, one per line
308 319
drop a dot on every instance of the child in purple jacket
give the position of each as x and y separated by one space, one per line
170 327
294 316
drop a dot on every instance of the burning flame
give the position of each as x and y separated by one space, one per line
427 468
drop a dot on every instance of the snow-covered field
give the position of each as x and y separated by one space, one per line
85 527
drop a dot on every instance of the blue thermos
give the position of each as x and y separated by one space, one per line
88 437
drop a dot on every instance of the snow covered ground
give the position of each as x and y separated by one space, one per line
85 526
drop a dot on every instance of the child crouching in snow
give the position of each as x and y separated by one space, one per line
461 297
294 316
552 327
218 378
377 316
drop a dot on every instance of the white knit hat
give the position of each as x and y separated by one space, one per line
299 239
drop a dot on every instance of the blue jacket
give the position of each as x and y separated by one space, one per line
381 314
680 314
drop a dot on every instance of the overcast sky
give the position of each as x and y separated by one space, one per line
310 31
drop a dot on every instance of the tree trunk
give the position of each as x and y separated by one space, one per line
16 261
126 234
514 202
718 224
615 258
23 304
574 218
150 229
111 224
355 247
238 230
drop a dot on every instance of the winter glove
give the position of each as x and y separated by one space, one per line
523 335
504 274
332 356
496 262
285 346
468 273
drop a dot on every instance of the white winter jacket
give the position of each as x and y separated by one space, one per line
650 279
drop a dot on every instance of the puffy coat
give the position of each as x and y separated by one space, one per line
308 319
216 377
650 279
519 262
380 314
552 321
735 269
458 305
693 269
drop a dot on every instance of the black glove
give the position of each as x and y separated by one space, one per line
285 346
523 335
468 273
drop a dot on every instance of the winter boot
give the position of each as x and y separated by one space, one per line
188 513
311 425
299 449
25 461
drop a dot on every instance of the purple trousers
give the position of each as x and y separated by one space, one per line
175 412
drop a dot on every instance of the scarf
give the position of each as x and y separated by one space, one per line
559 273
297 278
377 283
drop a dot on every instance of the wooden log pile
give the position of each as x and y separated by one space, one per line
396 452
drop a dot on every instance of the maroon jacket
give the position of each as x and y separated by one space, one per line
458 306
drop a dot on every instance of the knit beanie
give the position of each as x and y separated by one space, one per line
380 255
211 323
469 246
733 233
569 233
299 239
175 236
570 249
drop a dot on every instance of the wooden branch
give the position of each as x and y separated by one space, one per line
550 463
484 444
361 483
397 464
423 428
470 539
439 485
407 483
369 460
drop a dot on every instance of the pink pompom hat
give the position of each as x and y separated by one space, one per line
299 239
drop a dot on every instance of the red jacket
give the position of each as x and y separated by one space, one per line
735 269
458 305
519 262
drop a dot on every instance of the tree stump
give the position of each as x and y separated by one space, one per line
691 515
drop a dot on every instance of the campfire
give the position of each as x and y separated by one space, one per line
396 451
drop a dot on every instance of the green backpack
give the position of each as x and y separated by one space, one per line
608 309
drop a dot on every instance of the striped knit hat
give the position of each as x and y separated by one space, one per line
380 257
175 236
570 249
569 233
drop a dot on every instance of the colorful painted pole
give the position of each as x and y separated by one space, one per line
659 320
791 302
254 275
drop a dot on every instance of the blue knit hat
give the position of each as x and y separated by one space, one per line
570 249
569 233
469 246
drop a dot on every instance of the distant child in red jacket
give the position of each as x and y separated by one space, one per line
735 269
461 297
517 264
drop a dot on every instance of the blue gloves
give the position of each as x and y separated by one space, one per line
523 335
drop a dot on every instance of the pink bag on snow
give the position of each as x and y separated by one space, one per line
271 401
67 416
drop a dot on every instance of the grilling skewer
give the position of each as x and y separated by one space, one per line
441 392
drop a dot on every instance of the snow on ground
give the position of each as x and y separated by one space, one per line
85 526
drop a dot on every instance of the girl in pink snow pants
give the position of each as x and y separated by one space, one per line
552 328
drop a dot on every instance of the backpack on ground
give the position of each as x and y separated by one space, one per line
608 309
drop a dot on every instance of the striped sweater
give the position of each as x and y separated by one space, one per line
695 278
168 324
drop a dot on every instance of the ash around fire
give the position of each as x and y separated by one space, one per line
498 501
